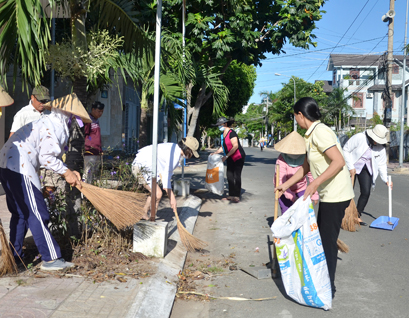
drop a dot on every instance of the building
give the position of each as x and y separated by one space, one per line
364 76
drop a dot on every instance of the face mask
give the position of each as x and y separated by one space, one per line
221 128
293 156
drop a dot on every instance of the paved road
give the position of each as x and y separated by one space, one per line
372 279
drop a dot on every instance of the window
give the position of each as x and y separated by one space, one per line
358 100
395 69
354 73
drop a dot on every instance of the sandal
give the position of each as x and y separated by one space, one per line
235 200
227 198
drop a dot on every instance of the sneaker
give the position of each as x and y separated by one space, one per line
56 265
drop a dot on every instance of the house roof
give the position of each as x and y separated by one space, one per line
327 85
382 87
355 60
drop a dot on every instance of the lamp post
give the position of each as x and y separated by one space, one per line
295 98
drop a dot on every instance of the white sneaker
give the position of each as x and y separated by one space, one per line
56 265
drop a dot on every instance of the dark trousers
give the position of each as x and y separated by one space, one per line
365 184
28 211
234 169
329 221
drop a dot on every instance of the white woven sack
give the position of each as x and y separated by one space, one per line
301 256
214 181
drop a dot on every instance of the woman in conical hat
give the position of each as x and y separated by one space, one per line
292 157
40 143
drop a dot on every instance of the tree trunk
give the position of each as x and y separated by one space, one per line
193 112
75 159
75 156
143 131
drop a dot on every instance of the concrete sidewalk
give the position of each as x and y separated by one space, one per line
74 296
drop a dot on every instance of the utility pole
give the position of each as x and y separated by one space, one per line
265 132
388 103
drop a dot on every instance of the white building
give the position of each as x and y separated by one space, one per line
365 77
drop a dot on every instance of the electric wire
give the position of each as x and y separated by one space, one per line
340 38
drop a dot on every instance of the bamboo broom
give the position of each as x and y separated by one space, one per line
274 266
188 240
7 262
342 246
122 208
350 219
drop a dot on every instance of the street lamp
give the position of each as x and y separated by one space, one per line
278 74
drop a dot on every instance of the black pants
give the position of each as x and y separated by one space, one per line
329 221
234 169
365 184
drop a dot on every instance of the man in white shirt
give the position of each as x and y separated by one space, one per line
33 111
39 143
168 158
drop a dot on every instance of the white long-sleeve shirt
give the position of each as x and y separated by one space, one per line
168 159
39 143
356 147
26 115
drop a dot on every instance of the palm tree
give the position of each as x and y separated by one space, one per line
337 107
25 35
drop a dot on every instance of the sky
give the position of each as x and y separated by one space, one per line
348 26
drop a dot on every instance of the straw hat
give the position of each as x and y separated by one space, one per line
293 144
5 99
193 144
71 104
379 134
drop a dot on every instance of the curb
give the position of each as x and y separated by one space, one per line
155 299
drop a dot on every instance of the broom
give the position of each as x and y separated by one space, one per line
7 262
188 240
122 208
350 219
342 247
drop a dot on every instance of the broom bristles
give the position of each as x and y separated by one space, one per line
122 208
7 262
342 246
188 240
350 219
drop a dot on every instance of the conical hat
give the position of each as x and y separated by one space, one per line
71 104
5 99
293 144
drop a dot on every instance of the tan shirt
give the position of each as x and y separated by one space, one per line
318 139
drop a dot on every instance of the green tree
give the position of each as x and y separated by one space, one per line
218 33
336 108
240 79
282 109
26 50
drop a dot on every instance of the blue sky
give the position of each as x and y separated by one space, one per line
357 27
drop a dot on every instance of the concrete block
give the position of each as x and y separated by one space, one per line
150 238
181 188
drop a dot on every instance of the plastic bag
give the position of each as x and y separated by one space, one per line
301 256
215 174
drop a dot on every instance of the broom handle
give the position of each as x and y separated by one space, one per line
390 196
276 194
177 216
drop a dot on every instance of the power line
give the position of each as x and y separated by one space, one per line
368 53
327 48
341 38
363 20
